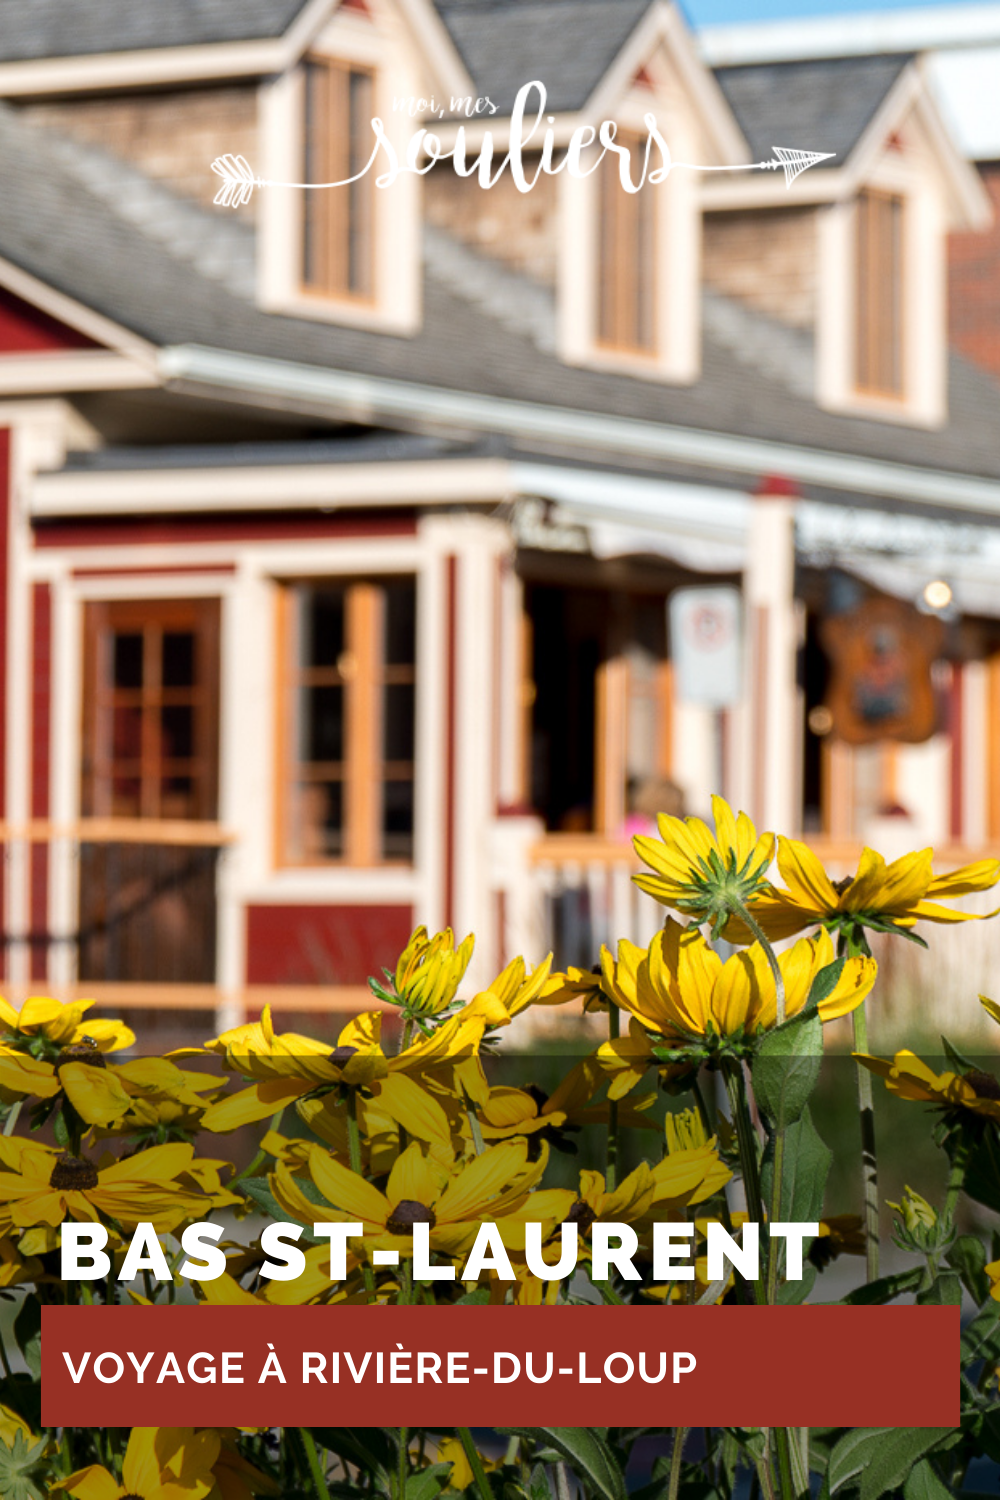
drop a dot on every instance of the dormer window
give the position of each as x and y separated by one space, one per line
627 259
351 254
338 230
879 299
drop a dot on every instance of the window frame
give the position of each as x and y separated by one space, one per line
101 618
363 673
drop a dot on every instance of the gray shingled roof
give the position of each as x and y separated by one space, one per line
823 104
75 28
80 242
567 44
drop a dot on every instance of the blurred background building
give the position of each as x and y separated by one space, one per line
380 557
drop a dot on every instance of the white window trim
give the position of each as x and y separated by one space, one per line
396 304
924 401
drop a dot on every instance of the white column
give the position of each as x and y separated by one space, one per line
774 713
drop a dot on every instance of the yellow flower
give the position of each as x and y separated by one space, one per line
692 1170
162 1186
450 1451
430 970
916 1212
63 1025
10 1425
419 1191
702 873
993 1272
680 988
288 1065
908 1077
161 1463
886 898
839 1234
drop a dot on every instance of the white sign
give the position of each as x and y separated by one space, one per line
706 646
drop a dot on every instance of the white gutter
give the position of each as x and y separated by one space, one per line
367 398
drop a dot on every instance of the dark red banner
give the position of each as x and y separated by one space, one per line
520 1366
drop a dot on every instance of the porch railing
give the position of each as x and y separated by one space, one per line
135 900
587 896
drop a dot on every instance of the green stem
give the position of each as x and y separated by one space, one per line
475 1463
315 1467
760 936
785 1480
869 1155
474 1126
261 1157
956 1180
773 1257
676 1462
407 1034
611 1172
404 1463
354 1153
746 1140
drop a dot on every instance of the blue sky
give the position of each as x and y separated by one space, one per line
716 12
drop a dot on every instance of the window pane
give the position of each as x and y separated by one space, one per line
397 820
177 732
177 797
322 627
400 623
125 796
178 658
322 724
127 660
126 732
321 820
399 719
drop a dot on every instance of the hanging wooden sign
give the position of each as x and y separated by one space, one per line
881 656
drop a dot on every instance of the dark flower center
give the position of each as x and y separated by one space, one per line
985 1085
407 1213
85 1050
73 1174
582 1215
841 886
341 1056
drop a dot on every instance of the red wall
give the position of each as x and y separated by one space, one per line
4 562
974 285
324 944
25 330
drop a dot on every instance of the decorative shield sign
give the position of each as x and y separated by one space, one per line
706 645
881 656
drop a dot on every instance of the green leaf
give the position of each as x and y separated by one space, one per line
370 1448
875 1293
881 1456
586 1451
538 1485
428 1483
944 1291
981 1339
967 1256
792 1293
894 1458
256 1188
803 1179
786 1067
28 1333
982 1175
21 1469
923 1484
